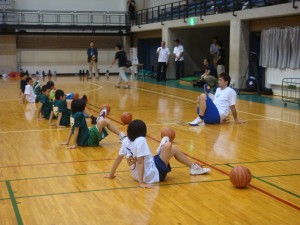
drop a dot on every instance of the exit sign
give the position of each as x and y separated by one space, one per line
192 21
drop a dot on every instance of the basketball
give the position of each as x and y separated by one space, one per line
169 132
105 106
76 96
240 176
126 117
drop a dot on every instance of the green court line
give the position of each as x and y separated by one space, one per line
76 174
277 160
14 203
121 188
278 187
274 185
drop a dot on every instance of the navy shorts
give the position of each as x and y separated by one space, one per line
211 115
161 167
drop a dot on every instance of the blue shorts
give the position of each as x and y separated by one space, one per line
211 115
161 167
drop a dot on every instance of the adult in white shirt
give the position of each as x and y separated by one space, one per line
179 59
163 59
145 168
214 49
216 111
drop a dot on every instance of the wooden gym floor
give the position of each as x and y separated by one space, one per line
43 183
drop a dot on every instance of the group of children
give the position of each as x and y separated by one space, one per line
73 112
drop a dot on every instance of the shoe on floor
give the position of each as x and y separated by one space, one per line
195 122
102 114
197 169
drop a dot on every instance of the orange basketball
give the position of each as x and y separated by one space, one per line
168 132
126 117
105 106
76 96
240 176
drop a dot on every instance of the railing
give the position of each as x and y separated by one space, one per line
199 8
80 18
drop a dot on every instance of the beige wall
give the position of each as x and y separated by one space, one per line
8 50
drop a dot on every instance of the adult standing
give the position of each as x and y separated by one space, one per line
122 59
131 10
214 49
92 54
220 58
179 59
163 58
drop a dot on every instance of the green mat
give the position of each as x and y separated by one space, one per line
189 79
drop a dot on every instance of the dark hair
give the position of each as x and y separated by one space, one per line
84 98
59 93
137 128
225 77
176 40
208 60
119 46
215 37
220 43
50 84
28 79
78 105
44 88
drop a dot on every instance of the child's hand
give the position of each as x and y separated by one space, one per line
109 176
61 126
240 122
71 147
142 185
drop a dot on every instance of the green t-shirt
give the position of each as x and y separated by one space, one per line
62 108
84 133
47 105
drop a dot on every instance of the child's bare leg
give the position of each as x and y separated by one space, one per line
202 104
103 122
168 151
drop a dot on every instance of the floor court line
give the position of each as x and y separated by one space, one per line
193 101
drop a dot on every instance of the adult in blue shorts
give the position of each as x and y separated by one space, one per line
216 110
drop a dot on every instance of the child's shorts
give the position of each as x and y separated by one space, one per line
95 136
161 167
211 115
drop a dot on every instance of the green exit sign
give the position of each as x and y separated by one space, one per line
192 21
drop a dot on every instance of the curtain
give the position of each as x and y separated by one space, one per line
280 48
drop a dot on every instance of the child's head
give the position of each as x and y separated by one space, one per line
22 76
137 128
45 90
59 95
118 47
224 79
50 84
84 98
29 80
78 105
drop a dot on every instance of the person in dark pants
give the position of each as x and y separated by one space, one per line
179 59
131 11
163 58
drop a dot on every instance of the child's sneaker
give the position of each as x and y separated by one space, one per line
107 74
122 136
162 142
195 122
126 87
102 114
197 169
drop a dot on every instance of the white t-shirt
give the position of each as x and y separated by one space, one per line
30 96
139 148
163 54
177 51
224 99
